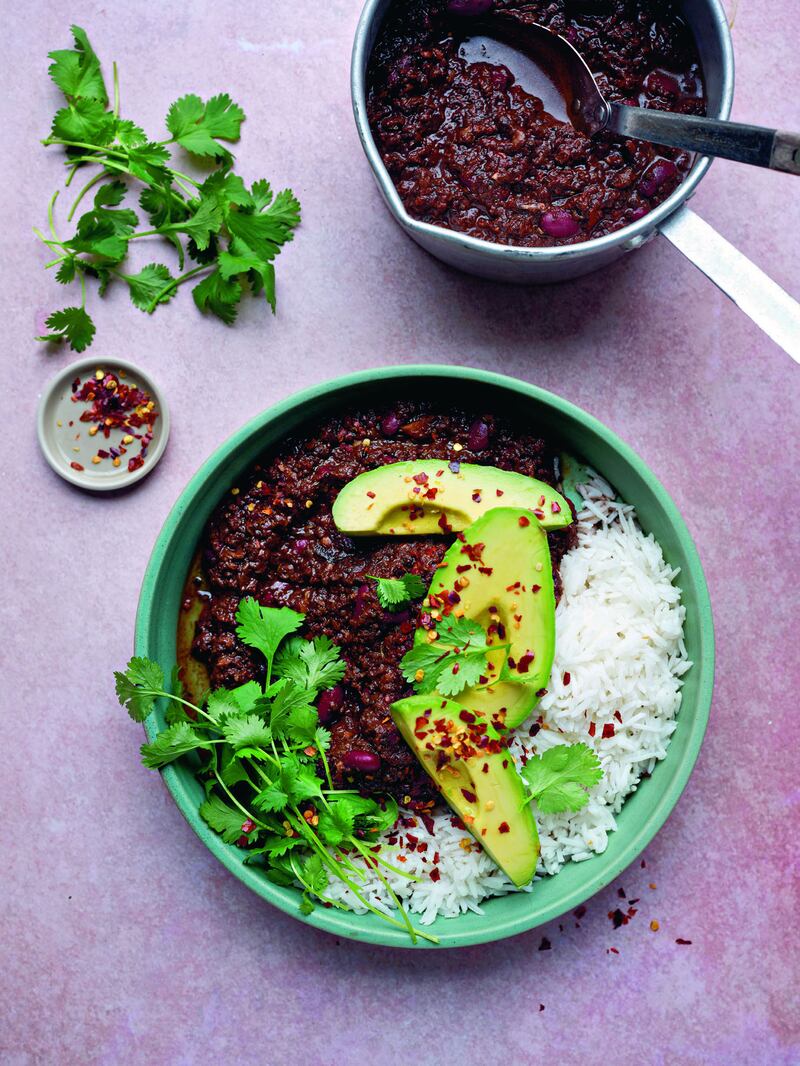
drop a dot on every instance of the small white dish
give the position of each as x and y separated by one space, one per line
65 440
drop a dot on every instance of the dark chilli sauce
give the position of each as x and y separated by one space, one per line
471 146
273 537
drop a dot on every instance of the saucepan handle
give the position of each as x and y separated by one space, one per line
765 302
761 147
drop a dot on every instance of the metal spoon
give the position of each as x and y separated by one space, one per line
590 112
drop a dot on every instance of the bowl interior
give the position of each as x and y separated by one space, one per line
644 812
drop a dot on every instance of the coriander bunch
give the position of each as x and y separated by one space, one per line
262 759
230 232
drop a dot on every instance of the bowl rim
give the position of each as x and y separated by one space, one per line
632 236
341 923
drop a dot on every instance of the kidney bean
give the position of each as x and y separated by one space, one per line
478 437
656 175
365 762
330 701
559 223
390 424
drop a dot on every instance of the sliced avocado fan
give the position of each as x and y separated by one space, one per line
437 496
477 777
499 574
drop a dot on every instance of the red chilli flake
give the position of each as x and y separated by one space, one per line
470 797
77 466
567 677
434 874
555 507
680 940
116 405
545 945
524 521
503 827
592 729
608 731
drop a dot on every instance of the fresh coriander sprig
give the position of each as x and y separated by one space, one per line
231 232
258 748
457 657
559 778
396 592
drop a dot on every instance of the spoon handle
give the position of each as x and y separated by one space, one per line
775 149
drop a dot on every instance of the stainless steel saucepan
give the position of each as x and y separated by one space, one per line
766 303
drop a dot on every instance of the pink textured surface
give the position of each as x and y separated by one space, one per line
123 941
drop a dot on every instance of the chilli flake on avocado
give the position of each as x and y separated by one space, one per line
440 496
232 233
498 576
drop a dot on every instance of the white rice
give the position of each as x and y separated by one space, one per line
619 628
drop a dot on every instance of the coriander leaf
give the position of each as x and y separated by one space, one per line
248 731
263 233
314 874
195 125
302 724
171 744
271 799
175 683
322 738
129 135
148 163
232 770
163 205
336 824
225 188
147 288
84 120
396 592
77 73
558 778
245 695
71 324
136 686
285 210
457 659
263 628
206 220
280 845
261 192
111 194
66 271
306 904
239 259
223 819
219 296
311 664
299 782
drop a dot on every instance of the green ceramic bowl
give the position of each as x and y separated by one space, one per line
644 812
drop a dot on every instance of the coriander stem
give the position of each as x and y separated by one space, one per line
82 278
89 184
231 796
50 221
401 909
116 89
173 285
82 144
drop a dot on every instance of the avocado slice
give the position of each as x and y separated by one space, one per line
500 574
477 777
437 496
